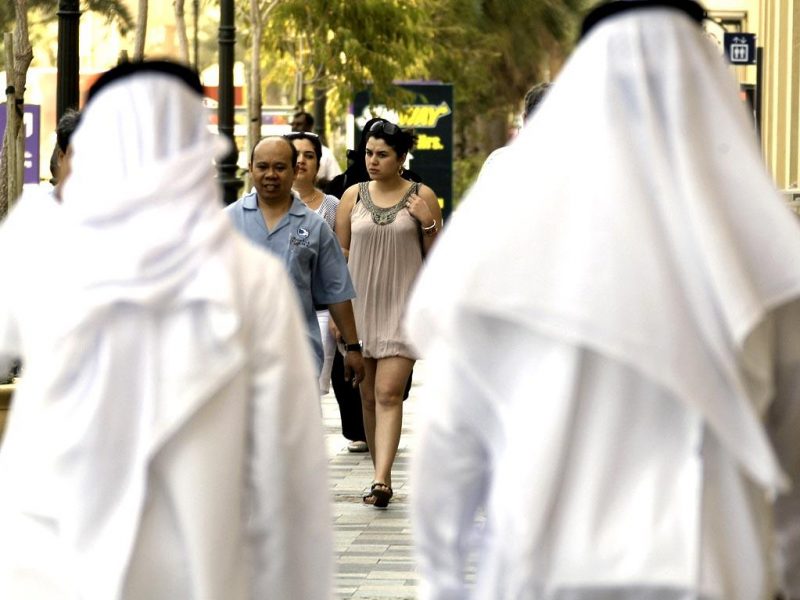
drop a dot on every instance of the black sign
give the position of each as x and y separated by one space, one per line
430 115
740 48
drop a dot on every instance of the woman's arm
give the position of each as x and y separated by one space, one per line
343 212
424 207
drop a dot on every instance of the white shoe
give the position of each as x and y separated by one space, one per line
357 446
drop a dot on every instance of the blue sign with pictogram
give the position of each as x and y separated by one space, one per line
31 119
740 48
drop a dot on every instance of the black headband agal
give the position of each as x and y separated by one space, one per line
127 69
609 9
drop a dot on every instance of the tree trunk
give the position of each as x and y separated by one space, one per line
259 11
180 29
9 175
254 82
14 140
141 31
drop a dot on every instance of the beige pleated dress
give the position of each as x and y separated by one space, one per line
385 257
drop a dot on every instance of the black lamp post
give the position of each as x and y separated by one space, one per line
68 75
227 38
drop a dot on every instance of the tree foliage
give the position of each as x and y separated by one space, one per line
345 45
496 49
491 50
115 11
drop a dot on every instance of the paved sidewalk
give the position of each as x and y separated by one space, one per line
373 547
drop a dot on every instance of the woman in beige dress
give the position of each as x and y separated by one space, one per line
386 226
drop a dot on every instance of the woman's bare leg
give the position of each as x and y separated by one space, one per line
390 376
367 389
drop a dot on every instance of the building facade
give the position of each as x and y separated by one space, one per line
779 32
776 24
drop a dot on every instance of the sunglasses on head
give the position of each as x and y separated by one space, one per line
385 127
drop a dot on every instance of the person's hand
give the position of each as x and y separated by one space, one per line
334 331
418 208
353 367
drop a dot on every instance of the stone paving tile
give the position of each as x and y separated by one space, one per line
374 548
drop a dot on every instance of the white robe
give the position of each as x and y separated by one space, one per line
166 431
607 343
592 484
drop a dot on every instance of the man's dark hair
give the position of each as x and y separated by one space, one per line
126 69
533 97
610 8
276 137
67 124
308 117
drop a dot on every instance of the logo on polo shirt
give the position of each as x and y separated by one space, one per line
300 238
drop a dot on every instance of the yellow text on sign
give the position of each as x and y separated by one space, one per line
429 142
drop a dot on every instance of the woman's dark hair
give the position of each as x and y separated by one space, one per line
400 140
311 137
356 171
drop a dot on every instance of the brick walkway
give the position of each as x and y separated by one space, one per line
373 547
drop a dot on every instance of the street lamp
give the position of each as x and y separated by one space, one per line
68 75
227 38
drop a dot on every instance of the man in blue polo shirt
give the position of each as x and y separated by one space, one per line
272 217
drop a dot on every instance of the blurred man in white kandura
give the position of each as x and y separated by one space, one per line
615 378
165 432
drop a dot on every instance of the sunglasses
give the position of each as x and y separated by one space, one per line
385 127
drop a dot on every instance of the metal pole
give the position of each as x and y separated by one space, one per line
320 108
68 75
759 94
227 38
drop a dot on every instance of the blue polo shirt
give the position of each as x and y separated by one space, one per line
310 251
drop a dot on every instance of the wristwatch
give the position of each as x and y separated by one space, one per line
355 347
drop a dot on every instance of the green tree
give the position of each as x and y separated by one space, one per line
497 49
352 44
344 46
493 51
115 11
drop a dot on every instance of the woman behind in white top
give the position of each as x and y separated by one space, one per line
309 154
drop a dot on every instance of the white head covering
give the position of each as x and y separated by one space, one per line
633 215
140 232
